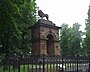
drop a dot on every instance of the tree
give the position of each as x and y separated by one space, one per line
87 39
28 11
16 16
71 39
75 39
64 39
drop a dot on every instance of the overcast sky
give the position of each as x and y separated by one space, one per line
65 11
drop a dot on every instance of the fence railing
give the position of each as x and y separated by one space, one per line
43 63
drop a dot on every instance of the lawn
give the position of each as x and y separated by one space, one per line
47 67
27 68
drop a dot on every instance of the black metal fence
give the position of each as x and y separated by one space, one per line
43 63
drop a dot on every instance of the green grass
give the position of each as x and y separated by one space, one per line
10 69
25 68
1 69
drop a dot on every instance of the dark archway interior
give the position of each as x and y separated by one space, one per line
50 45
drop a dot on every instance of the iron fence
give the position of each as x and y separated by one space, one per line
44 63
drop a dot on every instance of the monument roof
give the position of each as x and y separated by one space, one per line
45 23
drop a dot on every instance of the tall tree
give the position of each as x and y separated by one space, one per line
64 39
75 39
27 10
87 39
16 16
71 39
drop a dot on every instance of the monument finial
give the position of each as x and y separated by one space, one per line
42 15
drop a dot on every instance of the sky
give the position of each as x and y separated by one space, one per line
65 11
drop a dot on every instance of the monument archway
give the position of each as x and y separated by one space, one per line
50 44
45 38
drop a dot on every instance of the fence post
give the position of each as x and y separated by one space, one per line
43 63
62 64
77 62
89 65
19 65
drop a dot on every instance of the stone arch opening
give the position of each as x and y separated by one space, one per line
50 44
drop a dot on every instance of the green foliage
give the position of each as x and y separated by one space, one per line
16 16
87 39
76 39
71 39
64 39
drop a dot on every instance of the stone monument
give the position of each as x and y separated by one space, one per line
45 37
